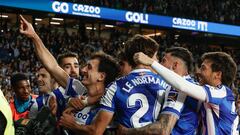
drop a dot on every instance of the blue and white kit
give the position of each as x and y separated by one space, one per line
136 98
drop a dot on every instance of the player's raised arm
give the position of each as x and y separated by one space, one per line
43 54
172 78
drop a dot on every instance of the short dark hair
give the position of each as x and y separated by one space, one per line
42 67
66 55
18 77
140 43
223 62
184 54
122 56
108 65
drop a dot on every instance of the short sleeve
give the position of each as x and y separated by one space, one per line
174 103
107 101
74 88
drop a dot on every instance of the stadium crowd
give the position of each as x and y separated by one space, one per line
16 54
223 11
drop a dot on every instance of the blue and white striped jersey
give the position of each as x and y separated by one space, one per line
136 98
219 112
185 108
61 101
87 114
37 104
75 88
43 100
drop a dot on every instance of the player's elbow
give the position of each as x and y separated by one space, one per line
98 132
164 132
92 130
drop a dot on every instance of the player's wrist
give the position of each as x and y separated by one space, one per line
153 63
68 101
34 36
85 102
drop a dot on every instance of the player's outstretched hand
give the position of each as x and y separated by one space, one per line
142 59
26 28
68 121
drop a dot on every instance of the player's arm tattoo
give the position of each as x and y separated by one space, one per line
162 127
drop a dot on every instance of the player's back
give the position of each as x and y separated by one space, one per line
136 98
184 108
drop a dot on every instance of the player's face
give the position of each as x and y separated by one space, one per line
22 90
167 61
91 75
71 66
44 80
206 75
125 68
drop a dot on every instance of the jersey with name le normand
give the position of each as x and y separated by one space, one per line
136 98
185 108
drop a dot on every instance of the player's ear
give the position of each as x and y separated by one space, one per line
101 77
218 75
175 63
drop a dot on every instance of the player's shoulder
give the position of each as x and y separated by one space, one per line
112 86
219 88
190 79
117 82
60 89
218 91
40 97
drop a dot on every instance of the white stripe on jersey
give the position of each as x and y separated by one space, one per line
216 109
77 87
110 92
210 120
177 105
235 126
61 89
180 101
236 122
158 104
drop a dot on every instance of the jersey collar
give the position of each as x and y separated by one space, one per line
140 70
187 77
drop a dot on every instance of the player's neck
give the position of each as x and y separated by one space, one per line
98 89
181 72
140 66
215 83
55 86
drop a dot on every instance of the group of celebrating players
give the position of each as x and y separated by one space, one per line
143 98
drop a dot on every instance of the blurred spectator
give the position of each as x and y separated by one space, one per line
21 100
227 11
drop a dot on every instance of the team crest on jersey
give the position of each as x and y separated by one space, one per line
142 73
172 96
